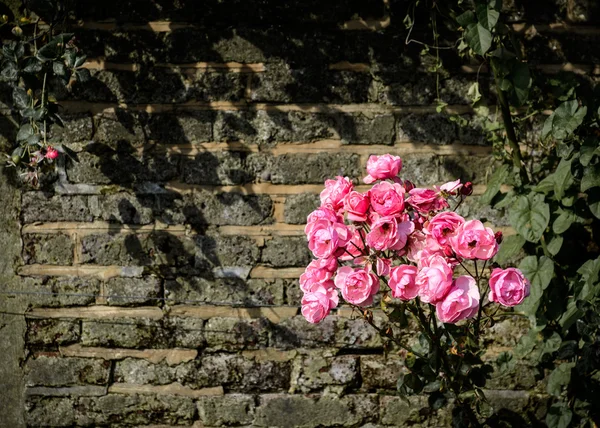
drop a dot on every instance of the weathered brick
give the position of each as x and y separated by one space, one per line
48 371
367 129
317 371
50 412
298 207
227 410
310 168
297 332
379 372
429 128
125 208
305 411
41 206
181 128
131 370
467 168
128 333
220 251
132 291
235 333
121 128
64 291
293 292
286 251
471 208
135 410
216 168
356 333
51 332
422 170
78 128
197 289
47 249
397 412
102 165
227 209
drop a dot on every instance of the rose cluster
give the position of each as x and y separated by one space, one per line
403 237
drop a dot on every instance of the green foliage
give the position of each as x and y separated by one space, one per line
31 58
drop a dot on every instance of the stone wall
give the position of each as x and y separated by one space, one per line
160 271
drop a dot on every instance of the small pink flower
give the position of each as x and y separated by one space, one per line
319 271
357 285
387 199
443 226
382 167
382 266
473 240
402 282
450 188
415 246
387 234
356 206
328 239
461 302
434 279
51 153
321 213
334 193
426 200
509 287
316 305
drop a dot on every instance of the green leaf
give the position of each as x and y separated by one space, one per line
59 68
32 65
20 98
9 71
558 416
521 82
559 378
563 178
539 273
486 16
546 185
466 18
591 177
510 247
594 202
552 343
530 216
555 245
494 184
568 318
479 38
587 153
563 221
564 120
25 132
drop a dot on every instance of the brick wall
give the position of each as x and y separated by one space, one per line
161 270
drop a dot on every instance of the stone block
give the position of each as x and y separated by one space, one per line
140 372
47 249
227 209
397 412
467 168
471 208
135 410
181 128
356 334
310 412
378 372
41 206
234 333
48 371
221 251
297 207
133 291
126 333
286 251
428 128
185 332
78 128
231 409
319 370
122 127
50 412
125 208
422 170
64 291
51 332
296 332
367 129
216 168
312 168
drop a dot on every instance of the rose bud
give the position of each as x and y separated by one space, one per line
467 189
499 237
51 153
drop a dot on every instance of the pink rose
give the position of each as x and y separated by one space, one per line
355 247
356 205
434 279
382 167
382 266
357 285
387 199
416 245
450 188
426 200
402 282
321 213
387 234
443 226
509 287
461 302
473 240
317 304
319 271
334 193
51 153
327 239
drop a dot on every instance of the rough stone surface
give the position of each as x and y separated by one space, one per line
40 206
52 332
57 292
284 251
361 129
313 168
235 334
378 372
298 207
50 411
132 291
66 371
48 249
232 409
396 412
315 372
227 209
224 168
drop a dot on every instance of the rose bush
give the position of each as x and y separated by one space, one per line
429 261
